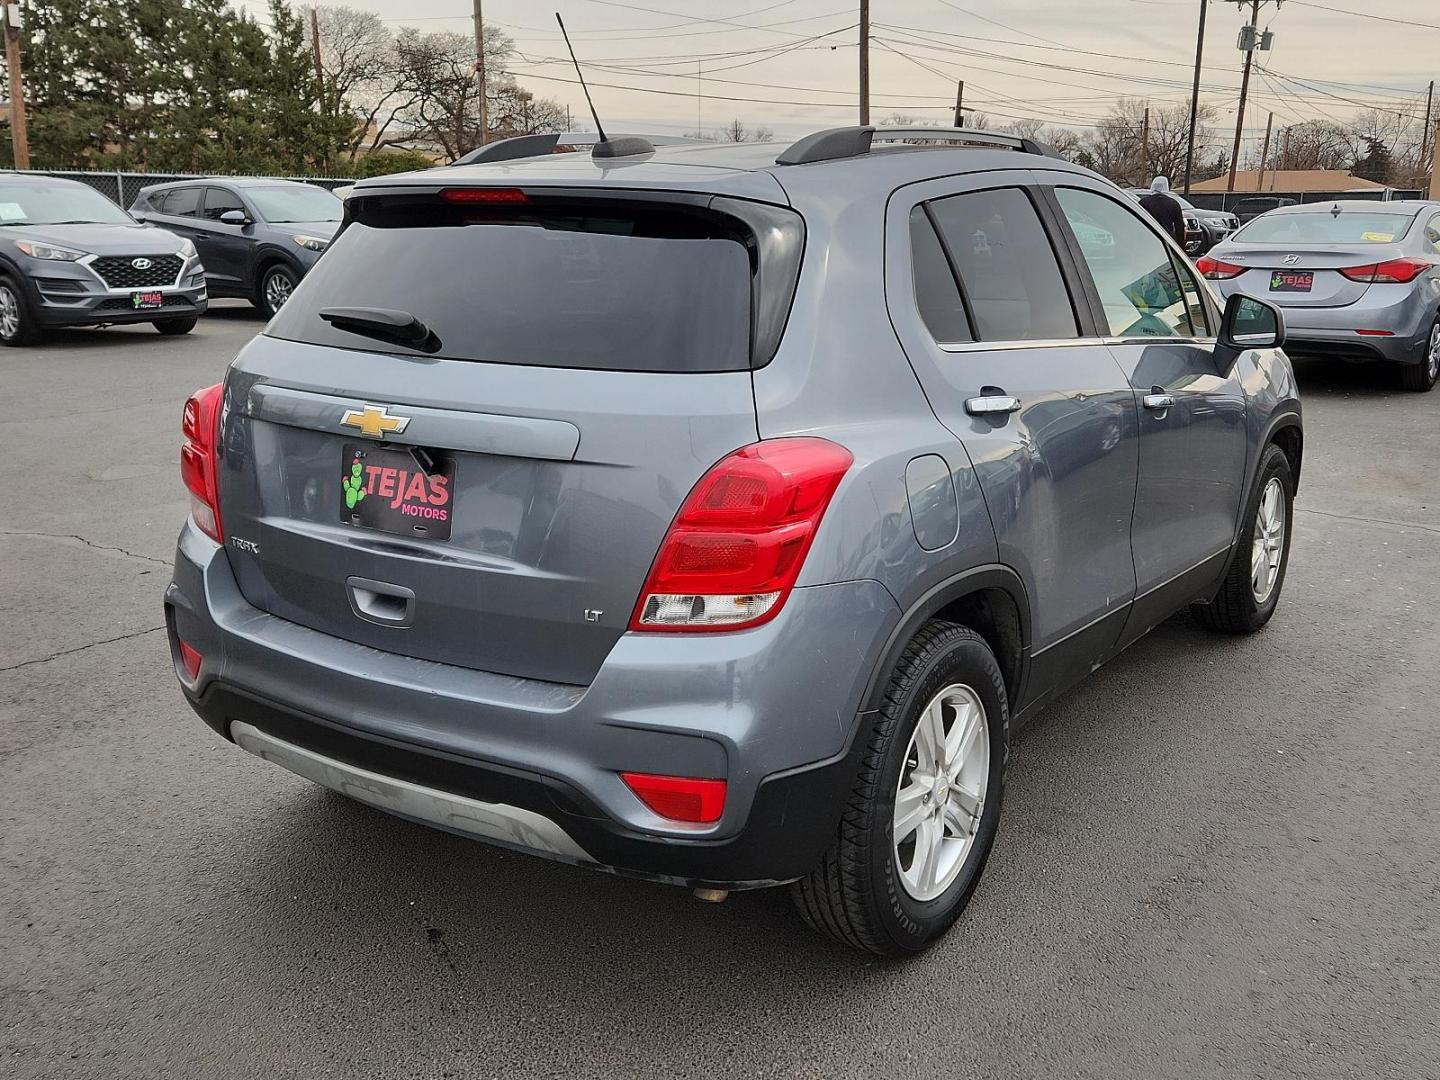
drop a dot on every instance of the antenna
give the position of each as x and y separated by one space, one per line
581 76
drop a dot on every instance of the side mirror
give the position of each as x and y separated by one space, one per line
234 217
1250 324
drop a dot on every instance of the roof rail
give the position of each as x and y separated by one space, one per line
523 146
847 142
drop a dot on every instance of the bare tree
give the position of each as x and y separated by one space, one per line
1122 150
735 131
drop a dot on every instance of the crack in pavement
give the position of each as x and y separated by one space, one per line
1369 520
87 543
80 648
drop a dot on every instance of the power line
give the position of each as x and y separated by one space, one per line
1366 15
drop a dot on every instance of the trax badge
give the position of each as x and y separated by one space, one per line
374 421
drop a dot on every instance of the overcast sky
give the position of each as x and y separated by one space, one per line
1019 58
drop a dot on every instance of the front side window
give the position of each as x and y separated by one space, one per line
1006 265
218 201
1139 286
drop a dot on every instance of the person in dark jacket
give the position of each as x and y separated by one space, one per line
1165 210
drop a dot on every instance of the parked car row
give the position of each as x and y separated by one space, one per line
71 257
1203 228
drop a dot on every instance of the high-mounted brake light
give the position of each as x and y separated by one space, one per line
1393 272
489 196
200 424
1216 270
679 798
736 547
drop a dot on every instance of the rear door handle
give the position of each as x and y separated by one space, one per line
992 402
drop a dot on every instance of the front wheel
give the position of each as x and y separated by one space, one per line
1252 585
1422 376
175 326
922 817
276 285
18 325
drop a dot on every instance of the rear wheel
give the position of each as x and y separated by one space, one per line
1252 585
1422 376
175 326
925 808
277 282
18 325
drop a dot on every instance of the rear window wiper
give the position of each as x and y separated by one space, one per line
383 324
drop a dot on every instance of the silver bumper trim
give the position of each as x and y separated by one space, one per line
511 825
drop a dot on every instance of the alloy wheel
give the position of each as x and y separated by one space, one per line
940 798
9 312
1268 545
1433 356
277 291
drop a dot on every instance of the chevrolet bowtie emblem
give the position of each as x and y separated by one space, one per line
374 421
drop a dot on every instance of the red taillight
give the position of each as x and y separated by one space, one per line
679 798
200 424
190 658
1216 270
736 547
1393 272
489 196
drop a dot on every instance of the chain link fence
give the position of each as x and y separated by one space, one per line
1226 200
122 187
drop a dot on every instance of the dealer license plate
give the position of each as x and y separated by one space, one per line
390 491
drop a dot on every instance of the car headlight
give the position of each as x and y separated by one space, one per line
49 251
187 249
311 243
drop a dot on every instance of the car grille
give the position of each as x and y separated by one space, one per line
122 303
118 272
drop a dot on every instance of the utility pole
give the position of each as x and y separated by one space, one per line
864 61
960 104
1244 91
479 18
1265 153
1195 96
19 134
1425 130
1145 145
1435 163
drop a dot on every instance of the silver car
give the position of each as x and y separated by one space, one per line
1356 279
715 514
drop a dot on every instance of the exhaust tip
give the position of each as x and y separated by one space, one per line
711 896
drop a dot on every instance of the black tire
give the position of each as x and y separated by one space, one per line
27 330
1235 608
176 326
265 295
856 894
1420 378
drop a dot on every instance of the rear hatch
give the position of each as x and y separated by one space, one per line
1296 258
465 435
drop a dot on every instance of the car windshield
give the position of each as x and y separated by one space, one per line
57 204
1310 227
299 203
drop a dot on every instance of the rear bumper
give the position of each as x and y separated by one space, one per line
1405 312
772 710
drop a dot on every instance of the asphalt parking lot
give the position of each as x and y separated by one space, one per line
1219 857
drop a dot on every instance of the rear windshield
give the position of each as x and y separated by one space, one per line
1311 227
553 283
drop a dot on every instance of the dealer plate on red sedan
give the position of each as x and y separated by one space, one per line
388 490
144 299
1291 280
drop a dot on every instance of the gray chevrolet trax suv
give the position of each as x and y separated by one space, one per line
71 257
715 514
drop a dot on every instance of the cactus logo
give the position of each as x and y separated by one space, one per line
353 485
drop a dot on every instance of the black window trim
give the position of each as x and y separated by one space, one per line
233 193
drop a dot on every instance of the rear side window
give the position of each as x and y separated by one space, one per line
1138 283
1432 235
181 202
219 201
1007 266
936 294
553 282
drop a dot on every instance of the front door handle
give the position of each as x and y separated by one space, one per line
1158 401
992 401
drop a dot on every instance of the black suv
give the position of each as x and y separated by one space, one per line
257 237
71 257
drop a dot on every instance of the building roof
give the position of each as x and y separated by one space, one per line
1287 181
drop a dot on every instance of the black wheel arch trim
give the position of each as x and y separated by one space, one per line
1286 416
